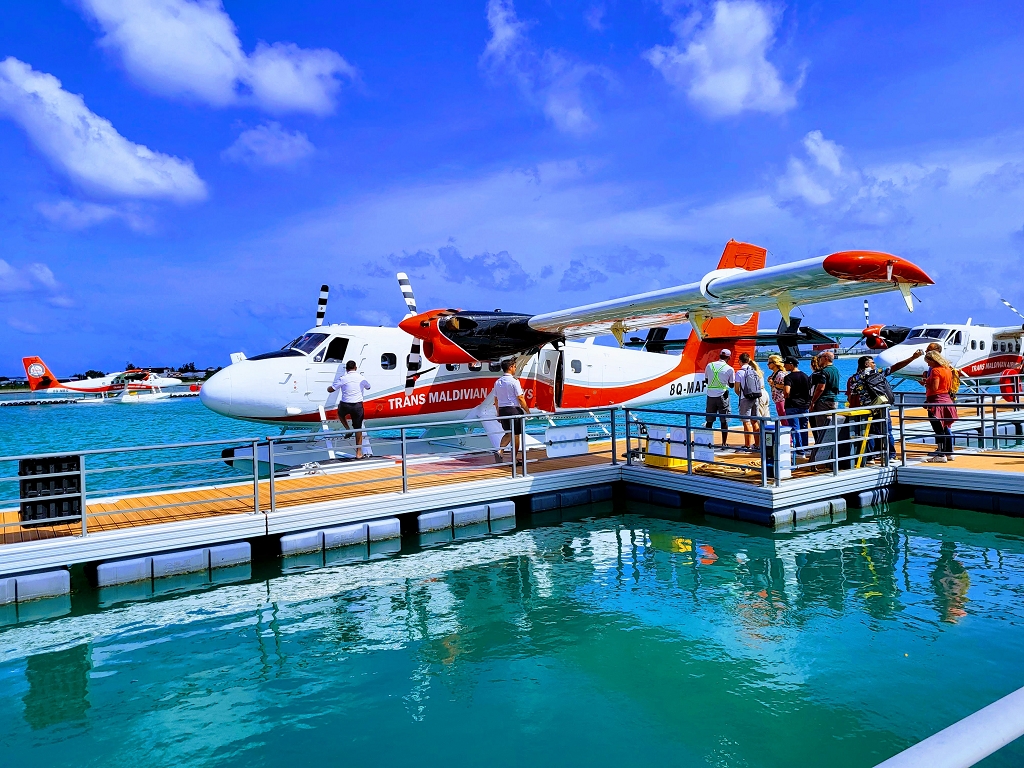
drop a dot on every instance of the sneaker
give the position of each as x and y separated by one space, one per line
497 457
937 458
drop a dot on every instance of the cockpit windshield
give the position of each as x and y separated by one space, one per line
296 347
929 333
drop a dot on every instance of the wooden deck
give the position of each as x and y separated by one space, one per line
236 498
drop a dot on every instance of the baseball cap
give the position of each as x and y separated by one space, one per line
725 353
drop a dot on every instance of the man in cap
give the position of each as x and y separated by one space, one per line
719 378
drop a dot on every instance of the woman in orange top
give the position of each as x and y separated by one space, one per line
939 402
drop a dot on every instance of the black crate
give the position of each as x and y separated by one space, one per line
50 486
49 466
52 510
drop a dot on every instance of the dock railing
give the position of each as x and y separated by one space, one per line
990 419
108 488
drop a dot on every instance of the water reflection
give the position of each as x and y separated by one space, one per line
951 582
58 687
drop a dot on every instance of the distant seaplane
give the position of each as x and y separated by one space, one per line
41 379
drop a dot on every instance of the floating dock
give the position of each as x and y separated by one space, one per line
164 529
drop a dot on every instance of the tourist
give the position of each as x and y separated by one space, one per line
750 389
719 378
510 401
350 404
798 398
939 391
824 391
777 383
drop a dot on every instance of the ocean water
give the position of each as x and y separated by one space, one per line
605 641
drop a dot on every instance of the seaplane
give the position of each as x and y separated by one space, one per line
441 365
41 379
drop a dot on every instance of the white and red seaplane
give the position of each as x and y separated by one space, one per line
559 367
41 379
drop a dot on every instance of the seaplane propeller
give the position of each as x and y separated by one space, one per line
1012 308
414 360
878 337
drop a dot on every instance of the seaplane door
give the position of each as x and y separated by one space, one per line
323 367
954 347
548 384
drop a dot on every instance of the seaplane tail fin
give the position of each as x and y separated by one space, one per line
39 374
720 333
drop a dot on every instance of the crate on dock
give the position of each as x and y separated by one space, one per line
51 489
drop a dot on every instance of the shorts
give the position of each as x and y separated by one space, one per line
511 424
353 410
747 407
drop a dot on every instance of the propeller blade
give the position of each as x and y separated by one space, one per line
321 305
407 294
413 361
867 314
1012 308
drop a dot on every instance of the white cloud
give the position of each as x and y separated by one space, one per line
29 281
595 17
553 81
76 215
269 144
190 48
24 326
85 146
722 66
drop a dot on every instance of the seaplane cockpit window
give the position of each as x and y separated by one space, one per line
389 361
296 347
929 333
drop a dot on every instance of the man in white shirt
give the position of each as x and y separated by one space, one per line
510 401
350 404
719 378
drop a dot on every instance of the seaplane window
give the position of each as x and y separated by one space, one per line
974 343
935 333
957 340
476 366
297 347
547 366
577 366
335 352
451 367
388 361
916 333
494 367
982 344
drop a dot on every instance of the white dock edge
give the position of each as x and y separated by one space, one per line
345 536
227 555
8 593
297 543
501 509
968 741
434 521
124 571
34 586
469 515
379 530
177 563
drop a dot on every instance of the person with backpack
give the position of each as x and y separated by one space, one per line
719 378
750 388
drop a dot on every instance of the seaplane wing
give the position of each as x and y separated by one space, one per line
741 290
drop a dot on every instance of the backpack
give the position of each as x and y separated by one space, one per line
876 386
752 385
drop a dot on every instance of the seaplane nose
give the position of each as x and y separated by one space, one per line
215 393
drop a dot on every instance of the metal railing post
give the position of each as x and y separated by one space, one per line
995 422
270 461
522 439
778 449
981 433
85 508
629 449
903 434
689 446
255 475
764 452
405 463
611 416
835 443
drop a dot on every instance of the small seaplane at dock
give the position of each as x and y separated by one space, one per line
442 364
41 379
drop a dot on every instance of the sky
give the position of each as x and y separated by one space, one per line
179 177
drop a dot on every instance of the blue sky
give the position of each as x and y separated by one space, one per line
179 177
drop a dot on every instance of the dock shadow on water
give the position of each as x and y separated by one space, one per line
605 637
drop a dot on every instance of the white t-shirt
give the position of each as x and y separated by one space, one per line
508 390
351 385
719 376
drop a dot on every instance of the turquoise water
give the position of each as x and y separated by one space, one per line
603 642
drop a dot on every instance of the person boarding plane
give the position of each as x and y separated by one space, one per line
558 369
